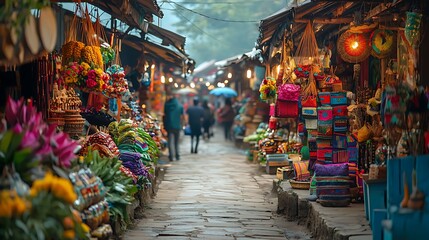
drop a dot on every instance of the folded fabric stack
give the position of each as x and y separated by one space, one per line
333 185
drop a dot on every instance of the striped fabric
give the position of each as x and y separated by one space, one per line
333 191
301 171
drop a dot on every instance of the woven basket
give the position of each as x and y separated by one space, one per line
299 185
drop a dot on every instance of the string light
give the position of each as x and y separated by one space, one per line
355 44
170 79
162 79
192 85
207 84
226 81
229 75
249 73
176 85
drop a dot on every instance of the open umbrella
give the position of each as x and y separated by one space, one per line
224 91
187 91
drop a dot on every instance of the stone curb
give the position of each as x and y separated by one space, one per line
325 223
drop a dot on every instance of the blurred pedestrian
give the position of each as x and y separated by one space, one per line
227 115
208 120
195 119
173 122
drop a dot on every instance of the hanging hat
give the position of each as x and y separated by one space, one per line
374 103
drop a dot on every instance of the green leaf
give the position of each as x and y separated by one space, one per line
5 141
21 226
14 143
21 156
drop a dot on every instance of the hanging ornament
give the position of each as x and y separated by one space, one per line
412 27
145 80
356 72
382 43
353 47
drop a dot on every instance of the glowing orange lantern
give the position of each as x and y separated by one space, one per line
353 47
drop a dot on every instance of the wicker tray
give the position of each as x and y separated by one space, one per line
299 185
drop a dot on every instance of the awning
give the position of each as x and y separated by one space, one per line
168 37
330 18
155 51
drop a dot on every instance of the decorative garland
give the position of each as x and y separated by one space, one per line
382 42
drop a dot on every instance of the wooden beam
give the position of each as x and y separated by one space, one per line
340 10
303 13
356 1
377 10
326 20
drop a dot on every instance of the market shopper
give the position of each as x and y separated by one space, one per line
208 119
195 119
173 122
226 116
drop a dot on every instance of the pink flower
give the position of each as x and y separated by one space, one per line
92 74
91 83
30 140
17 129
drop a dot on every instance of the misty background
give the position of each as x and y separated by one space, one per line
218 29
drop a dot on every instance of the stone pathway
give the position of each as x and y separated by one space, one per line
214 194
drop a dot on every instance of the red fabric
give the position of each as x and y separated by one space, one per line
309 102
286 109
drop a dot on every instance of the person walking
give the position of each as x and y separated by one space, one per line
208 120
173 122
227 115
195 119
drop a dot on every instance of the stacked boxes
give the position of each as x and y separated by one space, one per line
332 128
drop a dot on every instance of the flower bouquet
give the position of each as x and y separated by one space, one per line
84 76
268 89
26 142
117 85
44 212
108 53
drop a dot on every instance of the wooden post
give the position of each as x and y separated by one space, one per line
119 103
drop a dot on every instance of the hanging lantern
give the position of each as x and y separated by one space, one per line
353 47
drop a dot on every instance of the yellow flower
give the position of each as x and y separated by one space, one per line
11 204
5 209
85 228
69 234
59 187
85 66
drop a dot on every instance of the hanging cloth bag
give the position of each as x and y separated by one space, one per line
287 100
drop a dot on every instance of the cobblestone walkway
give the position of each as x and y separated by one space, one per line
214 194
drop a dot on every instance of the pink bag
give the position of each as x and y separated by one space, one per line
289 92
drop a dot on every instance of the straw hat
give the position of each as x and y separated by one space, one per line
374 103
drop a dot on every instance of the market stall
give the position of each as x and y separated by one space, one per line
359 105
79 155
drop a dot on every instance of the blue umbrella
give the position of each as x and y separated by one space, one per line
224 91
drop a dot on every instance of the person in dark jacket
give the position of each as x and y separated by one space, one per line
208 119
227 115
195 119
173 122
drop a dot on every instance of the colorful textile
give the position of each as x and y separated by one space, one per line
333 191
341 169
325 98
324 113
338 98
301 171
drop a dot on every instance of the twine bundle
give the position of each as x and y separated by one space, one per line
307 50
